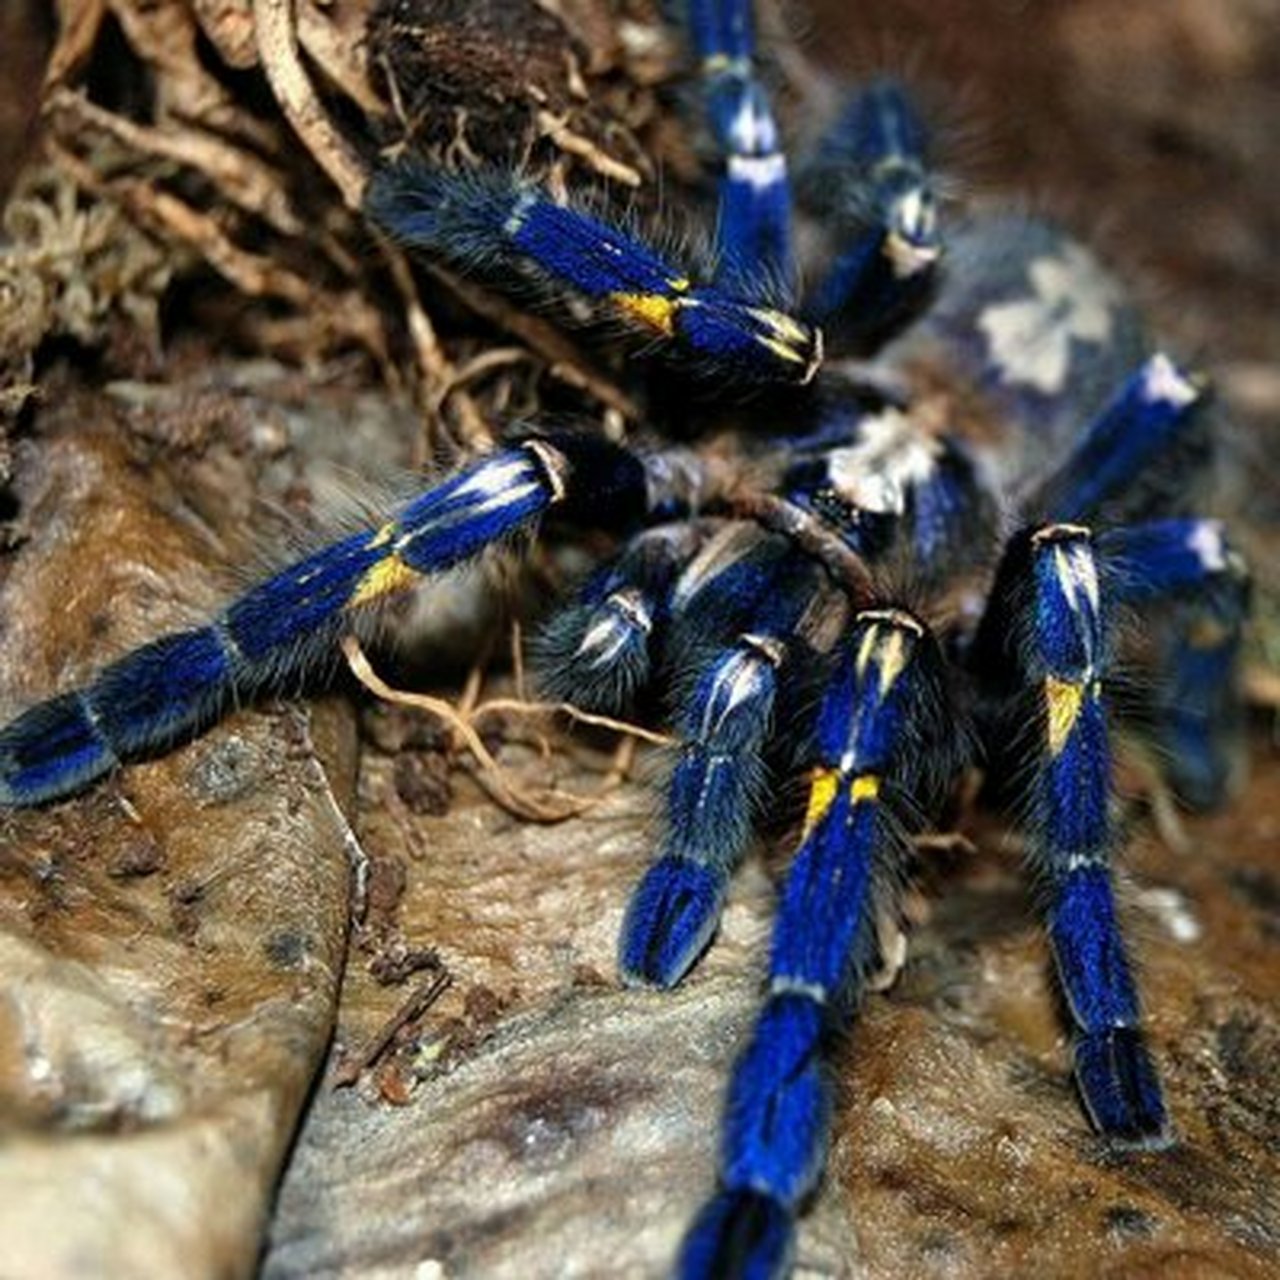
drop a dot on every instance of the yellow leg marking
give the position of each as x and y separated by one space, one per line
864 788
384 578
822 793
781 326
650 309
893 658
1206 633
888 646
782 351
1063 699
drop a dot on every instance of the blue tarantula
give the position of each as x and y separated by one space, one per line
894 568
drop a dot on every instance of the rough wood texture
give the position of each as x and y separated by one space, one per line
564 1128
171 945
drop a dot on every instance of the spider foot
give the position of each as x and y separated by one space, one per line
739 1235
1120 1088
145 701
51 747
676 906
672 915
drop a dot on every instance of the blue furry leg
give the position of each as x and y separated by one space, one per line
739 1235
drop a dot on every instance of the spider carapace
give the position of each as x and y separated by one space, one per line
898 564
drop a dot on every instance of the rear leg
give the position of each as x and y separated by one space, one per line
1199 585
1147 444
754 222
872 183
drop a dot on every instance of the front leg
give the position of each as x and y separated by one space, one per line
289 624
883 726
1059 627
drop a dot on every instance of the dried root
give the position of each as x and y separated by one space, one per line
188 162
549 805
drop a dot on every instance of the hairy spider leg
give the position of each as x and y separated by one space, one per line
1121 455
278 629
507 231
725 719
1188 565
1070 832
872 182
600 651
754 220
776 1114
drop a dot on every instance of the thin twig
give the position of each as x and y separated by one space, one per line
548 806
510 706
477 367
944 842
517 658
349 1070
563 357
1262 686
276 24
438 373
557 129
249 181
846 568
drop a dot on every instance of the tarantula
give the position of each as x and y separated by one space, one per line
888 570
